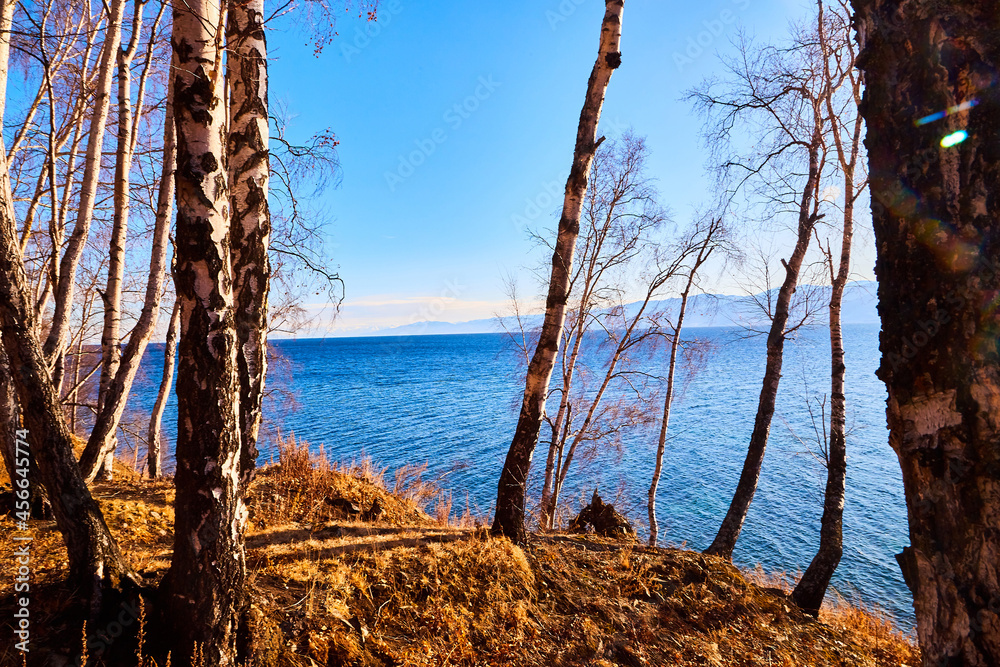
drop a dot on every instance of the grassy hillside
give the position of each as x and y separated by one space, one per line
333 583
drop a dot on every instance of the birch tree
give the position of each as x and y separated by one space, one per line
251 224
704 242
154 457
931 109
56 340
780 91
618 229
100 446
95 562
204 588
846 128
509 518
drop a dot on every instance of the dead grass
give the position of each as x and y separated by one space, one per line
411 589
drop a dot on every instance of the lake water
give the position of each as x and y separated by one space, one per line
452 401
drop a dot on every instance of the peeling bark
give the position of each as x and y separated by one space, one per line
251 225
204 587
509 518
936 216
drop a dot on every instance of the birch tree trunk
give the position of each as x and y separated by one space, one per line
58 332
205 584
704 252
931 107
811 589
94 559
6 21
732 524
154 458
251 225
112 297
110 335
509 519
100 448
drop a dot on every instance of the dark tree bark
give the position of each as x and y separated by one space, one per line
729 531
10 416
94 559
205 584
936 216
509 518
251 225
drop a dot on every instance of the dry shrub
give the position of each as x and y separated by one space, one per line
365 469
410 484
297 489
872 627
782 581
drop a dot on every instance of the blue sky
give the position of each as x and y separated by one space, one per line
457 124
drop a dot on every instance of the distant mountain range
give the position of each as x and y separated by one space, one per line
704 310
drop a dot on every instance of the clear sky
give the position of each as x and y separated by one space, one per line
457 122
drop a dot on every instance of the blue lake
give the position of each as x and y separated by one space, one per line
451 401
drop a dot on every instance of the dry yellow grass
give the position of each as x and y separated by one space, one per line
408 589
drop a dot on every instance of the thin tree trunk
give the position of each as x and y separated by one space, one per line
100 448
112 297
204 587
94 559
561 424
56 340
936 217
251 225
154 458
509 519
6 20
729 531
703 254
811 589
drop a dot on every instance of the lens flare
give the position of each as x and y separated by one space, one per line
954 139
958 108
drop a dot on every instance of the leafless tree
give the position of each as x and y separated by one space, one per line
842 97
706 237
509 518
777 93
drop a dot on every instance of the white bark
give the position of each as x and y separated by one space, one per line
56 340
